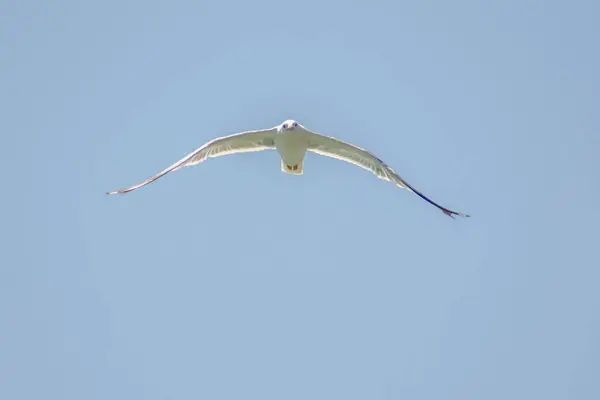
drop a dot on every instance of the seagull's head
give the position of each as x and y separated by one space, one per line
289 125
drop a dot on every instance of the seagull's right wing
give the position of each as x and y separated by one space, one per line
237 143
331 147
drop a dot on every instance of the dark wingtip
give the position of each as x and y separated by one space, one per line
451 214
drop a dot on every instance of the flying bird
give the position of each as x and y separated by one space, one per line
291 140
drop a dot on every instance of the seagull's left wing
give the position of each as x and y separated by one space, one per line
335 148
237 143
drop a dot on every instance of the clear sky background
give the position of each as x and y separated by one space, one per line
232 280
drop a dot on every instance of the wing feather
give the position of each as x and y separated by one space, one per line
249 141
335 148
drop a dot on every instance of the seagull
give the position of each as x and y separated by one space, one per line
291 140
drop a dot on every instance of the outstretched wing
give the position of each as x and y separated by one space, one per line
237 143
335 148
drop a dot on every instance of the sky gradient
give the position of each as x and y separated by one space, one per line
232 280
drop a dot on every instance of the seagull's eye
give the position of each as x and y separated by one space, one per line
295 124
284 126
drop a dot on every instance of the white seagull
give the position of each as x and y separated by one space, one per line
291 140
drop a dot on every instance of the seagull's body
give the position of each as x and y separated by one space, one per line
291 140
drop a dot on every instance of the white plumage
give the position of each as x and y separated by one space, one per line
291 140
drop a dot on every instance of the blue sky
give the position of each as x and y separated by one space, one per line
232 280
